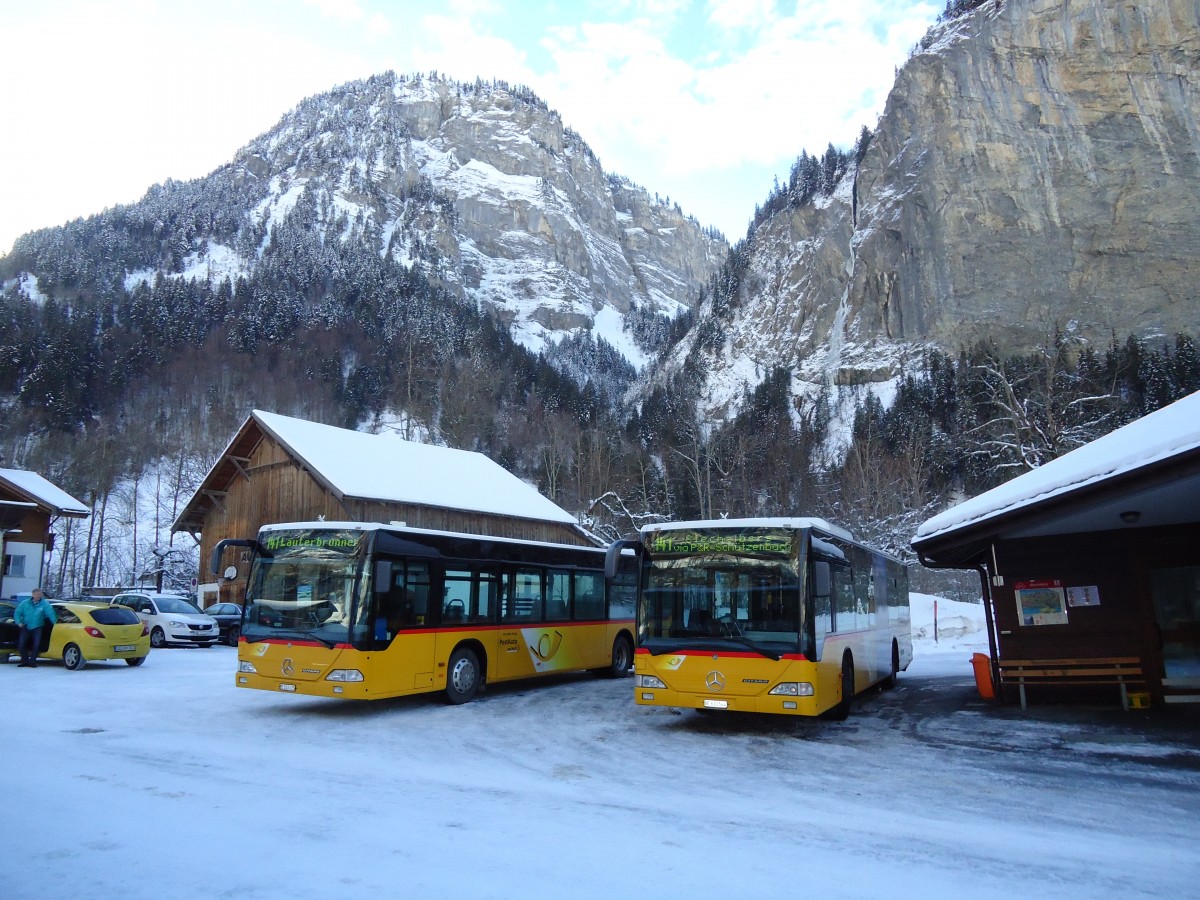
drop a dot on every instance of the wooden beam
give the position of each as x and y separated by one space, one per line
217 497
240 463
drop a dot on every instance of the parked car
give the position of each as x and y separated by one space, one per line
171 619
229 618
83 632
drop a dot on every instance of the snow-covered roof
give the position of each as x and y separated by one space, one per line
1162 434
38 489
387 467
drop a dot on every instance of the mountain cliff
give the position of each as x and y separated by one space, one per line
1037 167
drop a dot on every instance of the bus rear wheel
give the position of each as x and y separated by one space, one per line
462 676
622 658
890 681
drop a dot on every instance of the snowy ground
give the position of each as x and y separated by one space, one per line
166 781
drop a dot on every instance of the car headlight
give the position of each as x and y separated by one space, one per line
647 681
175 624
345 675
793 689
247 667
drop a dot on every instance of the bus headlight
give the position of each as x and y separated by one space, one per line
345 675
647 681
247 667
793 689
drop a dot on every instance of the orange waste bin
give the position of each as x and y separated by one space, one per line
983 675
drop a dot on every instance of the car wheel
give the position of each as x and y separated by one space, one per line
158 638
134 660
73 657
462 676
234 634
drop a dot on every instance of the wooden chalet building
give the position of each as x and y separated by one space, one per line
29 507
282 469
1090 564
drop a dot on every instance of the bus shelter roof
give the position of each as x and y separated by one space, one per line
1144 474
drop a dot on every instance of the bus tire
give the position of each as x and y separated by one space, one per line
842 710
890 681
462 676
622 658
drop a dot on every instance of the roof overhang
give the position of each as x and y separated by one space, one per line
13 512
229 466
1163 493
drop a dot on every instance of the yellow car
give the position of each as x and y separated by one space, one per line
84 631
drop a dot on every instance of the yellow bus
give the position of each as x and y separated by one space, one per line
364 611
782 615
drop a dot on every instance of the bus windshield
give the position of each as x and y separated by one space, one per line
718 601
307 588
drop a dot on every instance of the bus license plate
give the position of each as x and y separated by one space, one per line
287 687
716 704
123 648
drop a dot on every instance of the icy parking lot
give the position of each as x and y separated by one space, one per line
167 781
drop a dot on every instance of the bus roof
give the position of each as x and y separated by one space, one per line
408 529
791 522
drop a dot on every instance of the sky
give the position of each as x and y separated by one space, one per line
165 781
702 101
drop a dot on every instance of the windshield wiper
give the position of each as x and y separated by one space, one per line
255 637
661 646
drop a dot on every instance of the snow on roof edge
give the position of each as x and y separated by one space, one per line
49 493
1170 431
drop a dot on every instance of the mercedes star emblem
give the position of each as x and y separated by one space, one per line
287 669
715 681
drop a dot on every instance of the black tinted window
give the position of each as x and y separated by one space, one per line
115 615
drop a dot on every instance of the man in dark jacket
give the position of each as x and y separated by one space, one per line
31 615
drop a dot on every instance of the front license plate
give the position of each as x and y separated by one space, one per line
124 648
716 704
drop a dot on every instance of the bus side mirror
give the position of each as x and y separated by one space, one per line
383 576
823 586
612 558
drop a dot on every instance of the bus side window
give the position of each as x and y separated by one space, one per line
528 600
589 596
486 594
558 596
456 597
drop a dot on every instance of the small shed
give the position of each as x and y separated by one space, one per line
29 507
282 469
1095 555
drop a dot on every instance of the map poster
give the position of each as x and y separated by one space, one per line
1041 602
1084 595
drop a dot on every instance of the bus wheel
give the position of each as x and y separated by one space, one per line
622 658
890 681
842 710
462 677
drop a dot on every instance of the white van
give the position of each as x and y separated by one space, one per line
171 619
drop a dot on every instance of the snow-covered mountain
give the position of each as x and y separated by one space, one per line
480 186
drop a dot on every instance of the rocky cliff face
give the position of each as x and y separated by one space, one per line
1037 167
484 186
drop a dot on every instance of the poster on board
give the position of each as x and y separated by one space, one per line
1084 595
1042 602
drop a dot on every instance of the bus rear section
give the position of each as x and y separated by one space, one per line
783 616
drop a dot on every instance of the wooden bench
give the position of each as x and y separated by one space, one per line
1118 670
